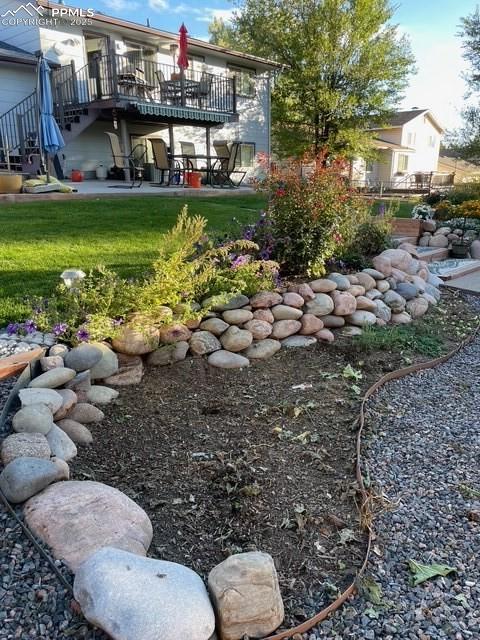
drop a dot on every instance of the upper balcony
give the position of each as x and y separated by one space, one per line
147 86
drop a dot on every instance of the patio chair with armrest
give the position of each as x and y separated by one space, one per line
167 91
164 163
224 168
222 150
201 92
190 159
127 163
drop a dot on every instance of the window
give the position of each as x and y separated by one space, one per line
431 141
402 162
246 155
196 64
245 80
411 138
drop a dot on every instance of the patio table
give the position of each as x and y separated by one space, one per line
188 162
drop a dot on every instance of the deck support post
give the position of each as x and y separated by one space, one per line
125 138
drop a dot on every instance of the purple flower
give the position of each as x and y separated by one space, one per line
240 261
82 335
12 328
117 322
265 253
60 328
30 326
248 233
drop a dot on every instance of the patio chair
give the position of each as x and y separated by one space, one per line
127 163
203 90
224 168
222 151
167 92
164 163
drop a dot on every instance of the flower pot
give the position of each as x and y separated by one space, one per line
10 183
459 250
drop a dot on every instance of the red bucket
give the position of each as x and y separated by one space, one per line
77 176
194 179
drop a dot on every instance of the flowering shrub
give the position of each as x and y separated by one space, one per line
309 218
188 268
469 209
444 210
422 212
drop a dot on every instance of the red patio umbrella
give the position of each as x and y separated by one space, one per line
183 48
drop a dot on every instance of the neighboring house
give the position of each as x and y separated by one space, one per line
407 152
113 75
464 171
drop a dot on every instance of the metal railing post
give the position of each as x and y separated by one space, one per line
96 71
112 63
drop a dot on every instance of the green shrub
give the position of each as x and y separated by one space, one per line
464 192
406 338
310 218
372 237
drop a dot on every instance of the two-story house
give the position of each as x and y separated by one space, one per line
407 151
109 74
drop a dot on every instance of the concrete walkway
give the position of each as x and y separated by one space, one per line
469 283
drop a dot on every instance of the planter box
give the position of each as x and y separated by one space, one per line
406 227
10 183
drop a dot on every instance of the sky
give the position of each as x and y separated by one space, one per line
431 25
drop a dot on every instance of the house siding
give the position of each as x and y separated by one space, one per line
16 82
24 36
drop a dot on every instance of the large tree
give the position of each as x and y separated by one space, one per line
466 139
345 66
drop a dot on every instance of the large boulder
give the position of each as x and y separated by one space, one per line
333 322
61 445
246 596
345 303
438 241
134 598
83 357
69 399
366 280
265 314
361 318
382 264
237 316
78 433
169 353
85 413
236 339
227 360
284 328
48 397
203 342
34 418
293 299
99 394
217 326
135 341
365 304
130 371
175 332
382 311
265 299
407 290
284 312
321 305
234 303
401 318
262 349
295 342
24 445
395 301
474 250
77 518
310 324
260 329
399 259
24 477
417 307
323 285
342 282
107 365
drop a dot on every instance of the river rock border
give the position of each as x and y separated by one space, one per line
100 533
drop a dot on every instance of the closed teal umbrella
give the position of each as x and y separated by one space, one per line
50 136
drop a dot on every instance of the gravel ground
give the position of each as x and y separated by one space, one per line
423 453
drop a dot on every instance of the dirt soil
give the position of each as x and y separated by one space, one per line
254 459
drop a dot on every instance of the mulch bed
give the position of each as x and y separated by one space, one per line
254 459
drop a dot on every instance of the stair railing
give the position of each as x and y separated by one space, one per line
19 129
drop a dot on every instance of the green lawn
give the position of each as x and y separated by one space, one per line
39 240
404 207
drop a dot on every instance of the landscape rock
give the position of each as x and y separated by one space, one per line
85 413
424 241
203 342
215 326
382 264
365 304
260 329
52 379
439 241
310 324
374 294
356 290
418 282
48 397
401 318
394 301
47 363
374 273
399 275
382 285
69 400
24 477
417 307
284 312
176 332
83 357
284 328
98 394
265 299
351 332
34 418
399 259
443 231
168 354
429 225
76 518
323 285
293 342
58 350
352 278
292 299
135 598
234 303
344 304
382 311
434 280
107 365
361 318
246 595
130 371
80 384
24 445
474 250
321 305
78 433
63 470
263 349
227 360
236 339
135 342
333 322
367 281
342 282
237 316
306 291
407 290
430 299
264 314
61 445
325 335
432 291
